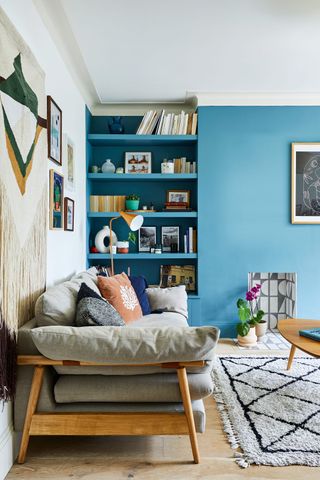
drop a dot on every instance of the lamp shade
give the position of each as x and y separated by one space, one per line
134 222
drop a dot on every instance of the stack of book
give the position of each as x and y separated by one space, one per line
181 165
107 203
160 123
190 240
177 206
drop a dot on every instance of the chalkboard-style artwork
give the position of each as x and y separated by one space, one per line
305 179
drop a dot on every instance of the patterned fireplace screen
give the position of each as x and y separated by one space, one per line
278 295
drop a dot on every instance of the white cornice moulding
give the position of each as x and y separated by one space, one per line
206 99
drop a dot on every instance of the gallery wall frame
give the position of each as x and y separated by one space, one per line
56 195
54 131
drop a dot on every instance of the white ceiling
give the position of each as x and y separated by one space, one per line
156 51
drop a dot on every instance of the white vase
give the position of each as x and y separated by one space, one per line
261 330
249 340
108 167
101 236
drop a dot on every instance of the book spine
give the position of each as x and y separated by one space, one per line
185 244
190 236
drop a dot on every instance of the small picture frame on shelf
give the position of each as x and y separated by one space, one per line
170 238
56 200
68 214
54 131
179 196
137 163
147 238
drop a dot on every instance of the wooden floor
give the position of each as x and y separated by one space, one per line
148 458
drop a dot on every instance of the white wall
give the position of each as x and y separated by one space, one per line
66 250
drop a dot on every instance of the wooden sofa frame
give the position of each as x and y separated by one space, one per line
102 423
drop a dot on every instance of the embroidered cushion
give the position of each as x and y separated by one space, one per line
118 291
140 284
93 310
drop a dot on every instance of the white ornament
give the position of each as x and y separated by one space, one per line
100 237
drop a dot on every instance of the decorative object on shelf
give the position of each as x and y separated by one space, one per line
170 237
108 167
158 249
305 166
173 275
132 202
101 236
167 167
134 222
95 169
94 249
54 126
178 197
68 154
147 238
116 127
68 214
56 200
138 162
249 315
123 246
145 208
120 170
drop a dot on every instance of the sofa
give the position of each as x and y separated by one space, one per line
147 378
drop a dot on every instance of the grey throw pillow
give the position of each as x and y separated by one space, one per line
93 310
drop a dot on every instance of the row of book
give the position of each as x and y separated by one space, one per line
190 240
107 203
160 123
182 165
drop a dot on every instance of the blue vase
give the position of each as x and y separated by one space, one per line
116 126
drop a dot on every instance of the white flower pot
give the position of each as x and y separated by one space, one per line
100 237
249 340
261 330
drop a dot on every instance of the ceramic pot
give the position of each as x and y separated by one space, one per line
116 126
123 247
261 330
108 167
132 204
99 240
249 340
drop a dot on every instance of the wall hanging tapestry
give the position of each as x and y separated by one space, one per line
271 414
23 192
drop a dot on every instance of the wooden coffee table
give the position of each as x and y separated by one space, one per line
289 329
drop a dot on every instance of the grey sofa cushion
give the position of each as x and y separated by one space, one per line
142 388
117 345
172 299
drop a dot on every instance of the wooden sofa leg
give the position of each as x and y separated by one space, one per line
186 399
31 408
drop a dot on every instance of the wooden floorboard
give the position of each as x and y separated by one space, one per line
148 458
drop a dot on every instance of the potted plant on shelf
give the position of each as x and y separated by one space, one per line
123 246
249 315
132 202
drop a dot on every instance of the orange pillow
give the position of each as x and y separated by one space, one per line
120 293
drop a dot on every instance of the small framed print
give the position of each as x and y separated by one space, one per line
147 238
170 238
137 162
69 170
68 214
178 196
305 183
56 200
54 130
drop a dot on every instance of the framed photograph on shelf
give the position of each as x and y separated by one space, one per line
137 162
147 238
68 214
56 200
305 183
170 238
69 170
54 131
178 196
174 275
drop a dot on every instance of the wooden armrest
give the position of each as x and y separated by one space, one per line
41 360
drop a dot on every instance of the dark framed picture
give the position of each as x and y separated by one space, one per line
305 183
178 196
54 131
55 200
174 275
68 214
147 238
170 238
137 162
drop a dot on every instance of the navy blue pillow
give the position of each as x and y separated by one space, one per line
139 286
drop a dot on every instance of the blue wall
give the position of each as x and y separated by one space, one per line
244 156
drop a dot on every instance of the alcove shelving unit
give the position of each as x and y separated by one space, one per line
151 188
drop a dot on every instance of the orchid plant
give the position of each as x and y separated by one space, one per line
248 311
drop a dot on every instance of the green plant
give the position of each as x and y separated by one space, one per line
132 197
132 237
248 312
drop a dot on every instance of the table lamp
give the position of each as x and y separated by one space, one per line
134 222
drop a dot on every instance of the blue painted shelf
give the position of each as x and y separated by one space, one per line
146 214
143 256
104 139
159 177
